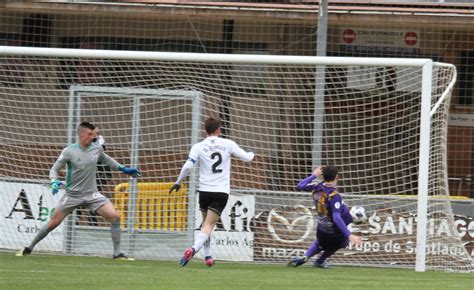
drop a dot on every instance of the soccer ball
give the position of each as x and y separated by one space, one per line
358 214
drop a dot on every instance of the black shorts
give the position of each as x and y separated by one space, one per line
215 201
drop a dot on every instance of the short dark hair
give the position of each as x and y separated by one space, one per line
330 172
86 125
212 124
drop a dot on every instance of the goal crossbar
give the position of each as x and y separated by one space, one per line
209 57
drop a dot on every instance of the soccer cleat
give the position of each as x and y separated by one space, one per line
209 261
24 252
187 256
322 265
122 257
295 262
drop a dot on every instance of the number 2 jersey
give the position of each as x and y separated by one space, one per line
214 154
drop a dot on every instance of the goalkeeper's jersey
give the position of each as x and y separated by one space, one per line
81 167
215 154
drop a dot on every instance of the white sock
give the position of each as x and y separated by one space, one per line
201 238
206 249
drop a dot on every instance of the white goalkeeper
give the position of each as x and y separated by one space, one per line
81 187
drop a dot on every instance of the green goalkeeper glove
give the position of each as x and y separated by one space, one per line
130 171
55 185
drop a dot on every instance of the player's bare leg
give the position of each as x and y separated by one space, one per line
206 230
55 221
113 217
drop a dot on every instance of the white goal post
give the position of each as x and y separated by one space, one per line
382 121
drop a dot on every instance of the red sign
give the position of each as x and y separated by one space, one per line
411 38
349 36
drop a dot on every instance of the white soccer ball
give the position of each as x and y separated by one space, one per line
358 214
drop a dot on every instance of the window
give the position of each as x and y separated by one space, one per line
466 78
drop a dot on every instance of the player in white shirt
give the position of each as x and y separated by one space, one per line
214 154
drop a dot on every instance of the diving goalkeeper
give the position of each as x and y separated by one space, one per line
81 187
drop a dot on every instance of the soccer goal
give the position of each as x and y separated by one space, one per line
382 122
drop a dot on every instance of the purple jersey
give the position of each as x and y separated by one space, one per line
334 216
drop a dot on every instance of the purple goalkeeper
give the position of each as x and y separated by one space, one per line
332 233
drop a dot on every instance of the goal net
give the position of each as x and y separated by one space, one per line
382 122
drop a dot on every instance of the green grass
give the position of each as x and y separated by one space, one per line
68 272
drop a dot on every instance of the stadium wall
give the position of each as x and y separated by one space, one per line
445 35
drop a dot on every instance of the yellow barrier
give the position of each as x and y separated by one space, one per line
156 209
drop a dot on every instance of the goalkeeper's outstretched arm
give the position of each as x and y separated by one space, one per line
107 160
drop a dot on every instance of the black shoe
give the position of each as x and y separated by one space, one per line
24 252
122 257
295 262
322 265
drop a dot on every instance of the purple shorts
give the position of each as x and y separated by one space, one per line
331 241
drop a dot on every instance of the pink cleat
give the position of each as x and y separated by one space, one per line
209 261
187 256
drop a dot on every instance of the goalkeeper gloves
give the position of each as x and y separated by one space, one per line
175 187
55 185
130 171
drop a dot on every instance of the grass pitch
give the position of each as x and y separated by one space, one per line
70 272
